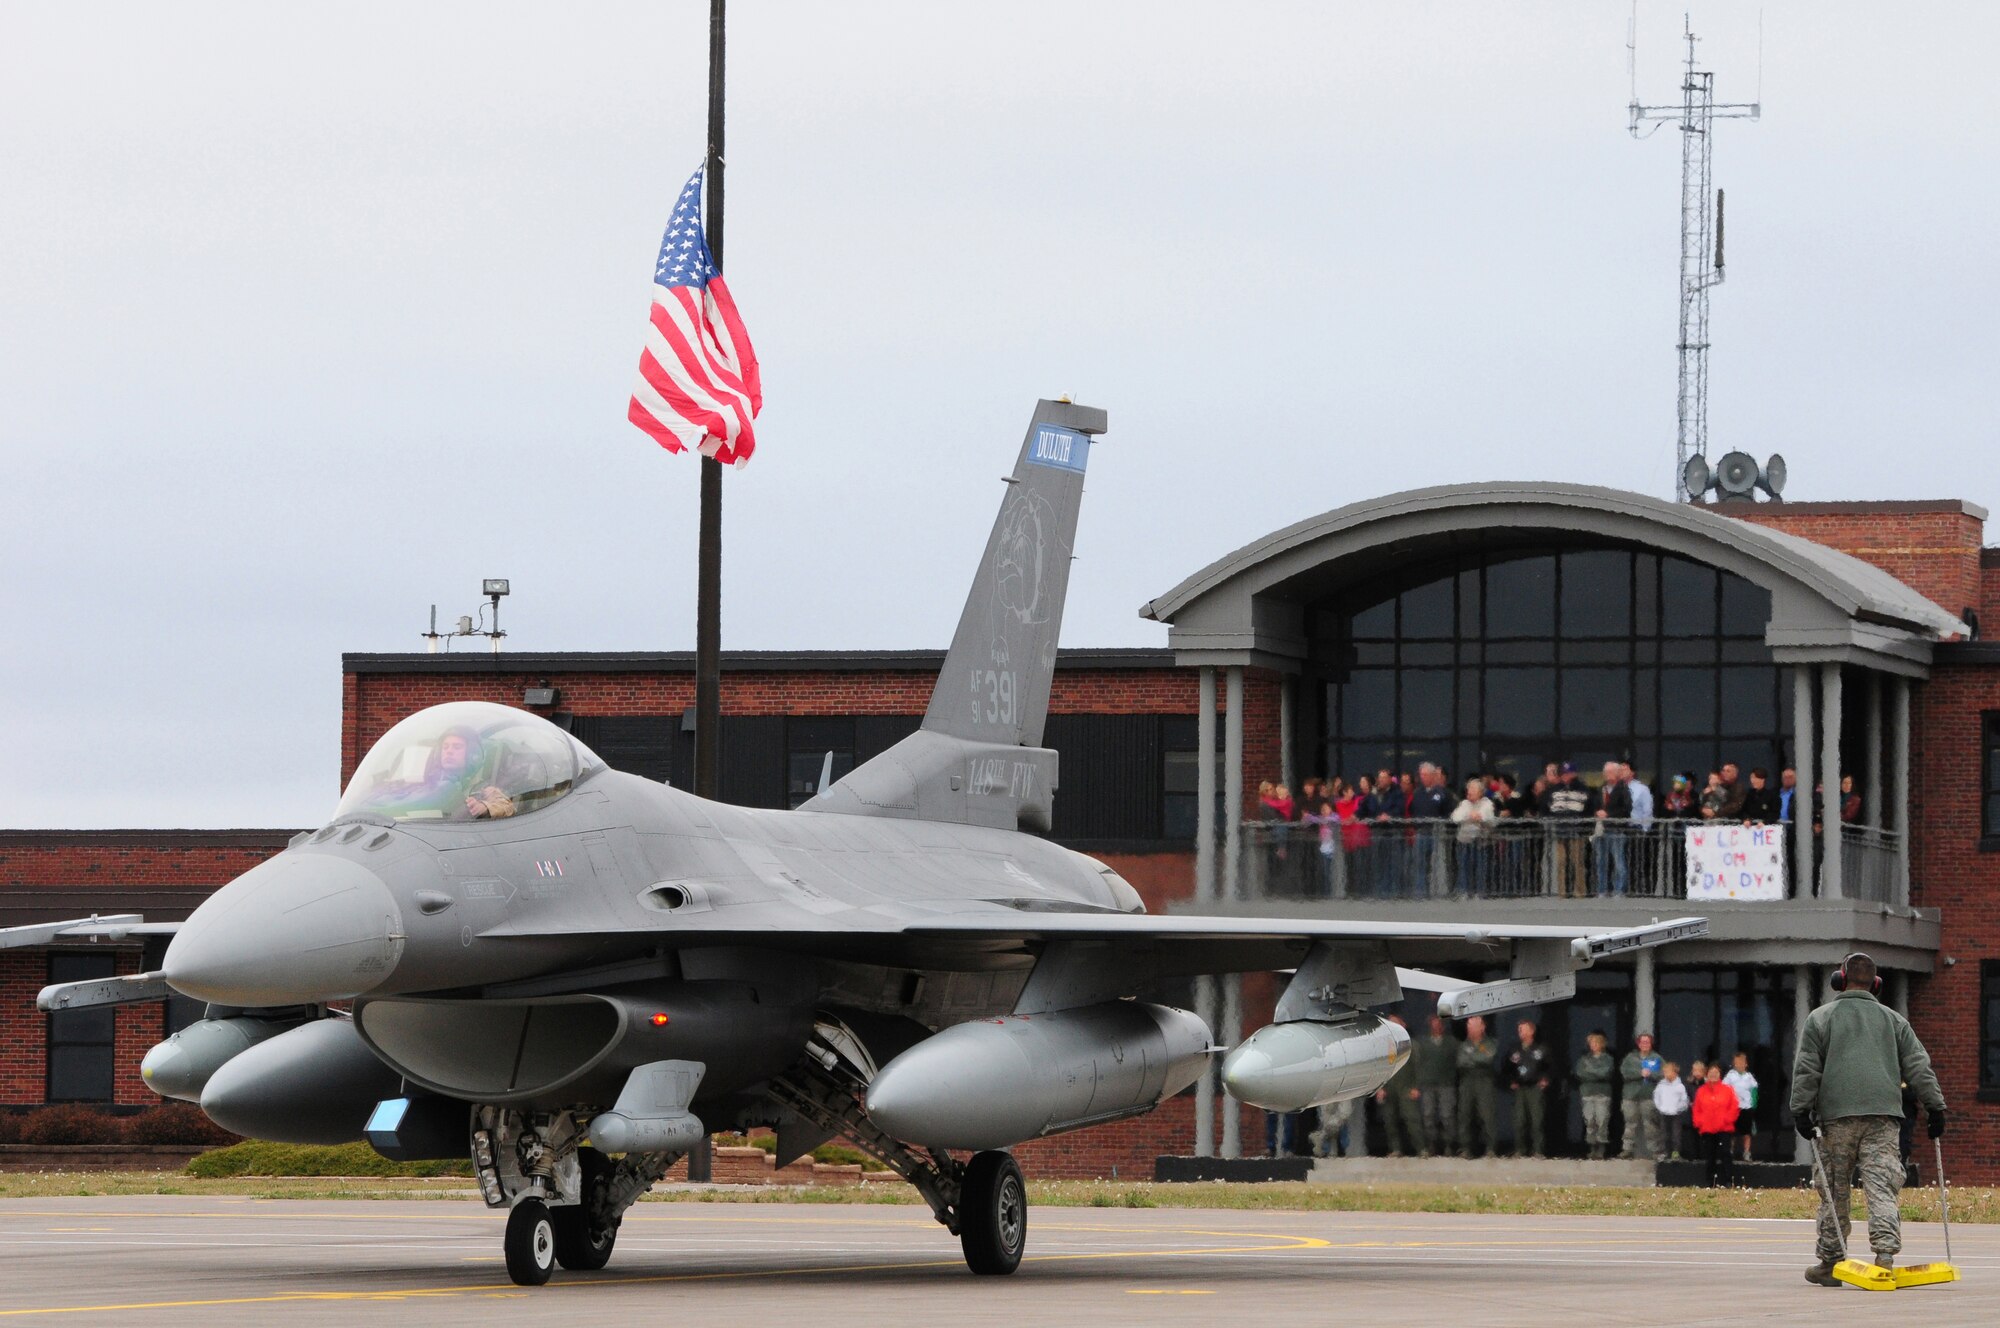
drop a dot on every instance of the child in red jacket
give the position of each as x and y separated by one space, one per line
1715 1110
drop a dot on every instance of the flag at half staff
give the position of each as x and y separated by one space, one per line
698 383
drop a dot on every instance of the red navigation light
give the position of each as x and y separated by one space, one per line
660 1020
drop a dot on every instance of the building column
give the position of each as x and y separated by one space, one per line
1288 763
1645 988
1229 1035
1871 780
1802 763
1829 776
1232 788
1899 806
1230 1027
1805 990
1205 894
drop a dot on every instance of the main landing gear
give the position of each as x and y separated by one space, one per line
565 1201
993 1213
983 1202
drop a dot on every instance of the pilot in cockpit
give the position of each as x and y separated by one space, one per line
460 772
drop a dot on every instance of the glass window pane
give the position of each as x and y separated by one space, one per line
1687 598
92 1025
1521 652
1521 702
1745 651
1691 757
1688 652
1427 611
1368 704
1368 653
1468 602
80 1074
1377 620
1992 826
1645 702
1687 701
1646 765
1468 701
1426 652
1646 594
1746 607
1749 700
1596 592
1646 652
1597 652
1521 597
1181 771
1427 703
1370 759
1596 701
1993 767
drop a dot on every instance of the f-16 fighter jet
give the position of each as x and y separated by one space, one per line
498 945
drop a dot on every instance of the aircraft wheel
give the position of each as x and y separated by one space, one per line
993 1214
581 1246
530 1243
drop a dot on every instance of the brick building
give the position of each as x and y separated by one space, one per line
1482 627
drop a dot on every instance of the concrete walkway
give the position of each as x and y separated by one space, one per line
1479 1171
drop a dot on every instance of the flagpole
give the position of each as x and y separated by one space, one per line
708 574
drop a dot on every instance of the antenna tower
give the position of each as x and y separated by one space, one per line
1701 227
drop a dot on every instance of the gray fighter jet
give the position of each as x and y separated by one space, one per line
499 945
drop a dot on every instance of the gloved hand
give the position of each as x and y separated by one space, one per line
1935 1127
1805 1123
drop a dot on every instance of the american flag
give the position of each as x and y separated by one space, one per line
698 383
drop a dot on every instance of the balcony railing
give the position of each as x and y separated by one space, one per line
1512 859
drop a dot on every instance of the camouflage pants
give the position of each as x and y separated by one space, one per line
1403 1126
1868 1144
1440 1110
1643 1128
1596 1120
1476 1117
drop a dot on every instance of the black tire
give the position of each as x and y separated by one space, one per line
581 1247
993 1214
530 1243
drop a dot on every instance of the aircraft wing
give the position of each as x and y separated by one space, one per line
1105 953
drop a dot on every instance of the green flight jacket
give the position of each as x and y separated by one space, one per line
1855 1053
1402 1081
1594 1073
1436 1061
1637 1086
1476 1061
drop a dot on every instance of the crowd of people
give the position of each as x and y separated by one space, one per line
1446 1101
1400 834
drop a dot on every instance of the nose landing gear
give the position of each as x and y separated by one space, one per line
530 1243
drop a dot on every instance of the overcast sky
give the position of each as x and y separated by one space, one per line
313 317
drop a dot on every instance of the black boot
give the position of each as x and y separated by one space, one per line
1821 1274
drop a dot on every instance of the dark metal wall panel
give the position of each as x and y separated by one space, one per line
638 744
753 760
875 734
1110 768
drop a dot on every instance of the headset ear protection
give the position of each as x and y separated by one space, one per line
1839 979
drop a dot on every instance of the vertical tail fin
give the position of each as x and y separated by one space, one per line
995 683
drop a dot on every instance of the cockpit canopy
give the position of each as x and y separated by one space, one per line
467 761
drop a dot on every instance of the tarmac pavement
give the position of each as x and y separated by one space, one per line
224 1260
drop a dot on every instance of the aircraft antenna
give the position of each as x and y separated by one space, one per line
1701 226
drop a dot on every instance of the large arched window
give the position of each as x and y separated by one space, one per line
1511 658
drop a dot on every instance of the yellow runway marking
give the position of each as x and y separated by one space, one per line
487 1289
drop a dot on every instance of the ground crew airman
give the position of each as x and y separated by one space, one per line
1436 1057
1639 1074
1478 1056
1402 1119
1528 1073
1854 1056
1594 1071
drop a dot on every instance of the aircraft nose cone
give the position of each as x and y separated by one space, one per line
299 929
